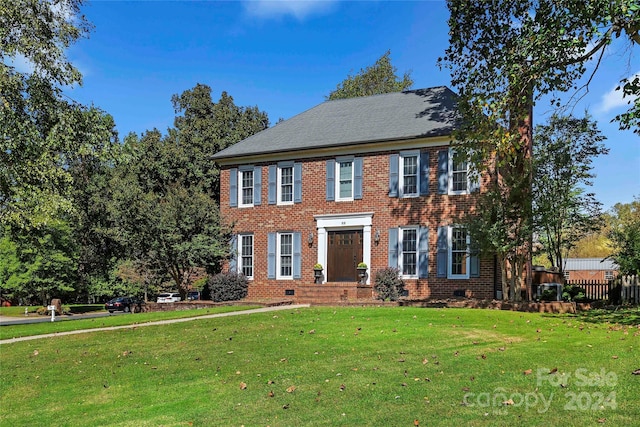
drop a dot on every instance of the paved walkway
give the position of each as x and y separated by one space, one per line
159 322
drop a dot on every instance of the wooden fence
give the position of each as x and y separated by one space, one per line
621 290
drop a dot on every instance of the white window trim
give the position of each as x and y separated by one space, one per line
279 186
241 172
404 154
450 275
337 175
401 252
240 258
279 276
450 176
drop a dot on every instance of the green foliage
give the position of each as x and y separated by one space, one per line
388 284
317 266
563 151
573 293
362 265
376 79
625 236
228 286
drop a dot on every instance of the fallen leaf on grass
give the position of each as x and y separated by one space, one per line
553 371
614 357
508 402
342 387
291 389
285 406
602 420
528 372
636 372
425 361
243 386
271 393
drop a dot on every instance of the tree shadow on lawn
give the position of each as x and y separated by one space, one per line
629 316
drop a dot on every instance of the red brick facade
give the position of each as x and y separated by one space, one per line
432 210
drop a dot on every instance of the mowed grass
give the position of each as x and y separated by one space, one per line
15 331
330 366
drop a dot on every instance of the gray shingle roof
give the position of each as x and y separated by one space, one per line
387 117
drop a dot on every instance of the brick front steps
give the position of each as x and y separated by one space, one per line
333 293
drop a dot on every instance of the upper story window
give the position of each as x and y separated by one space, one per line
344 179
344 187
285 185
608 275
567 275
246 188
454 176
409 174
409 177
458 174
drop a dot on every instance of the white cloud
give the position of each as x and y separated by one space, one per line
613 99
300 9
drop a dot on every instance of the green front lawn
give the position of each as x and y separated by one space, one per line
331 366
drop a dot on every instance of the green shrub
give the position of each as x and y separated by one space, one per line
388 284
228 286
573 293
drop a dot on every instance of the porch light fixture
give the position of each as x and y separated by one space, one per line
310 238
376 236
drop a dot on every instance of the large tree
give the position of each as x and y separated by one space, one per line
505 55
625 236
564 212
166 188
376 79
35 120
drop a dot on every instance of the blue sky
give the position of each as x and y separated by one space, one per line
285 57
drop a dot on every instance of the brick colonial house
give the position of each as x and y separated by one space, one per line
370 179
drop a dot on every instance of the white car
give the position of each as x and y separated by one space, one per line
169 297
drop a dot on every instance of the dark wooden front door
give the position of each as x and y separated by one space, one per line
344 252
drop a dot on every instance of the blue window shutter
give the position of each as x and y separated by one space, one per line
297 255
424 173
273 182
233 187
257 185
357 178
394 165
443 171
423 253
474 262
233 253
331 180
393 247
443 252
297 182
271 256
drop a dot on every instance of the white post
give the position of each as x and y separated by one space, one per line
53 312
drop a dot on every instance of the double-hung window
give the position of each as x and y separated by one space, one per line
409 177
459 174
245 250
285 185
285 256
246 188
344 179
458 253
408 261
344 171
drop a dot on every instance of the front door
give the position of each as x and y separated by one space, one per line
344 252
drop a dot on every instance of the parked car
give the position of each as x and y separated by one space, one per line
126 304
193 295
169 297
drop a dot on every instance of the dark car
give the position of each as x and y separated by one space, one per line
126 304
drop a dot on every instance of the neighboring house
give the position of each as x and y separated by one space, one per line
592 269
369 179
